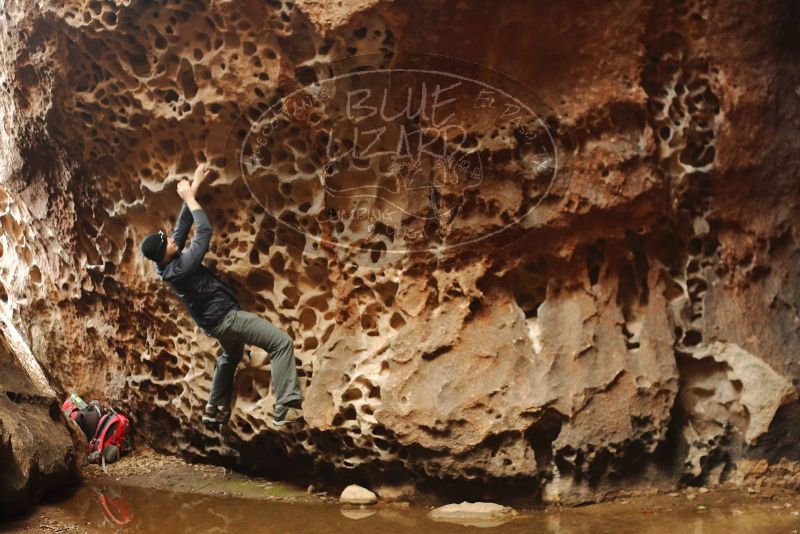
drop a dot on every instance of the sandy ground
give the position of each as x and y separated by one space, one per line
148 469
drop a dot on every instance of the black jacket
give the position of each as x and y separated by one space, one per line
203 294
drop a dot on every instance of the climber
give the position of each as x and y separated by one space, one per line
215 309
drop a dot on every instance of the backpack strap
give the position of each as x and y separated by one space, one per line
112 421
99 434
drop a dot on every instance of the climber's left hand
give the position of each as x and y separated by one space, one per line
200 174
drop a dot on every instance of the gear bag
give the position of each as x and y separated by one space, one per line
85 415
111 440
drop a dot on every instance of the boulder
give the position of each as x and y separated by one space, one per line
38 449
473 513
354 494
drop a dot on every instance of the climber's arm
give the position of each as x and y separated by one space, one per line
193 257
185 219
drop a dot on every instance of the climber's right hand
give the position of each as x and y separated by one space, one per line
185 190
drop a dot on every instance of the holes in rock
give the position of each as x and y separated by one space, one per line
475 306
292 296
171 96
631 338
348 415
260 281
594 259
277 263
160 43
187 80
469 141
308 318
692 338
352 394
376 251
697 286
369 320
306 76
397 321
139 64
695 246
432 355
710 246
109 18
35 275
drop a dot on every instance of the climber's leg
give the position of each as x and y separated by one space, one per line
251 329
222 383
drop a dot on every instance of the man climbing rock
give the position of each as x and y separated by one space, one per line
215 309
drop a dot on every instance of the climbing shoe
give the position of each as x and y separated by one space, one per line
284 415
215 415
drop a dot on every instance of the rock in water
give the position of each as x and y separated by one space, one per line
354 494
473 513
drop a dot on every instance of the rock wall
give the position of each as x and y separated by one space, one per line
39 451
640 331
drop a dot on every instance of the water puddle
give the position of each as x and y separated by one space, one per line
108 506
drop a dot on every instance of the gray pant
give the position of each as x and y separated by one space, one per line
235 330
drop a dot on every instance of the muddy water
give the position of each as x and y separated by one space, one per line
106 507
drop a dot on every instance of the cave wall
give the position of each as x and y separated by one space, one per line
642 331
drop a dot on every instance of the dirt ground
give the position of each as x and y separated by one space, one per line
148 469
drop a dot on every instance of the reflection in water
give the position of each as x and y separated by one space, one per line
357 512
109 507
115 507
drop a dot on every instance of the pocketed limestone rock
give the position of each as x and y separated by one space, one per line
641 328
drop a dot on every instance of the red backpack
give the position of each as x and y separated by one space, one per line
111 440
86 416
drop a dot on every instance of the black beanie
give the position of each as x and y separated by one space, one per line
154 246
